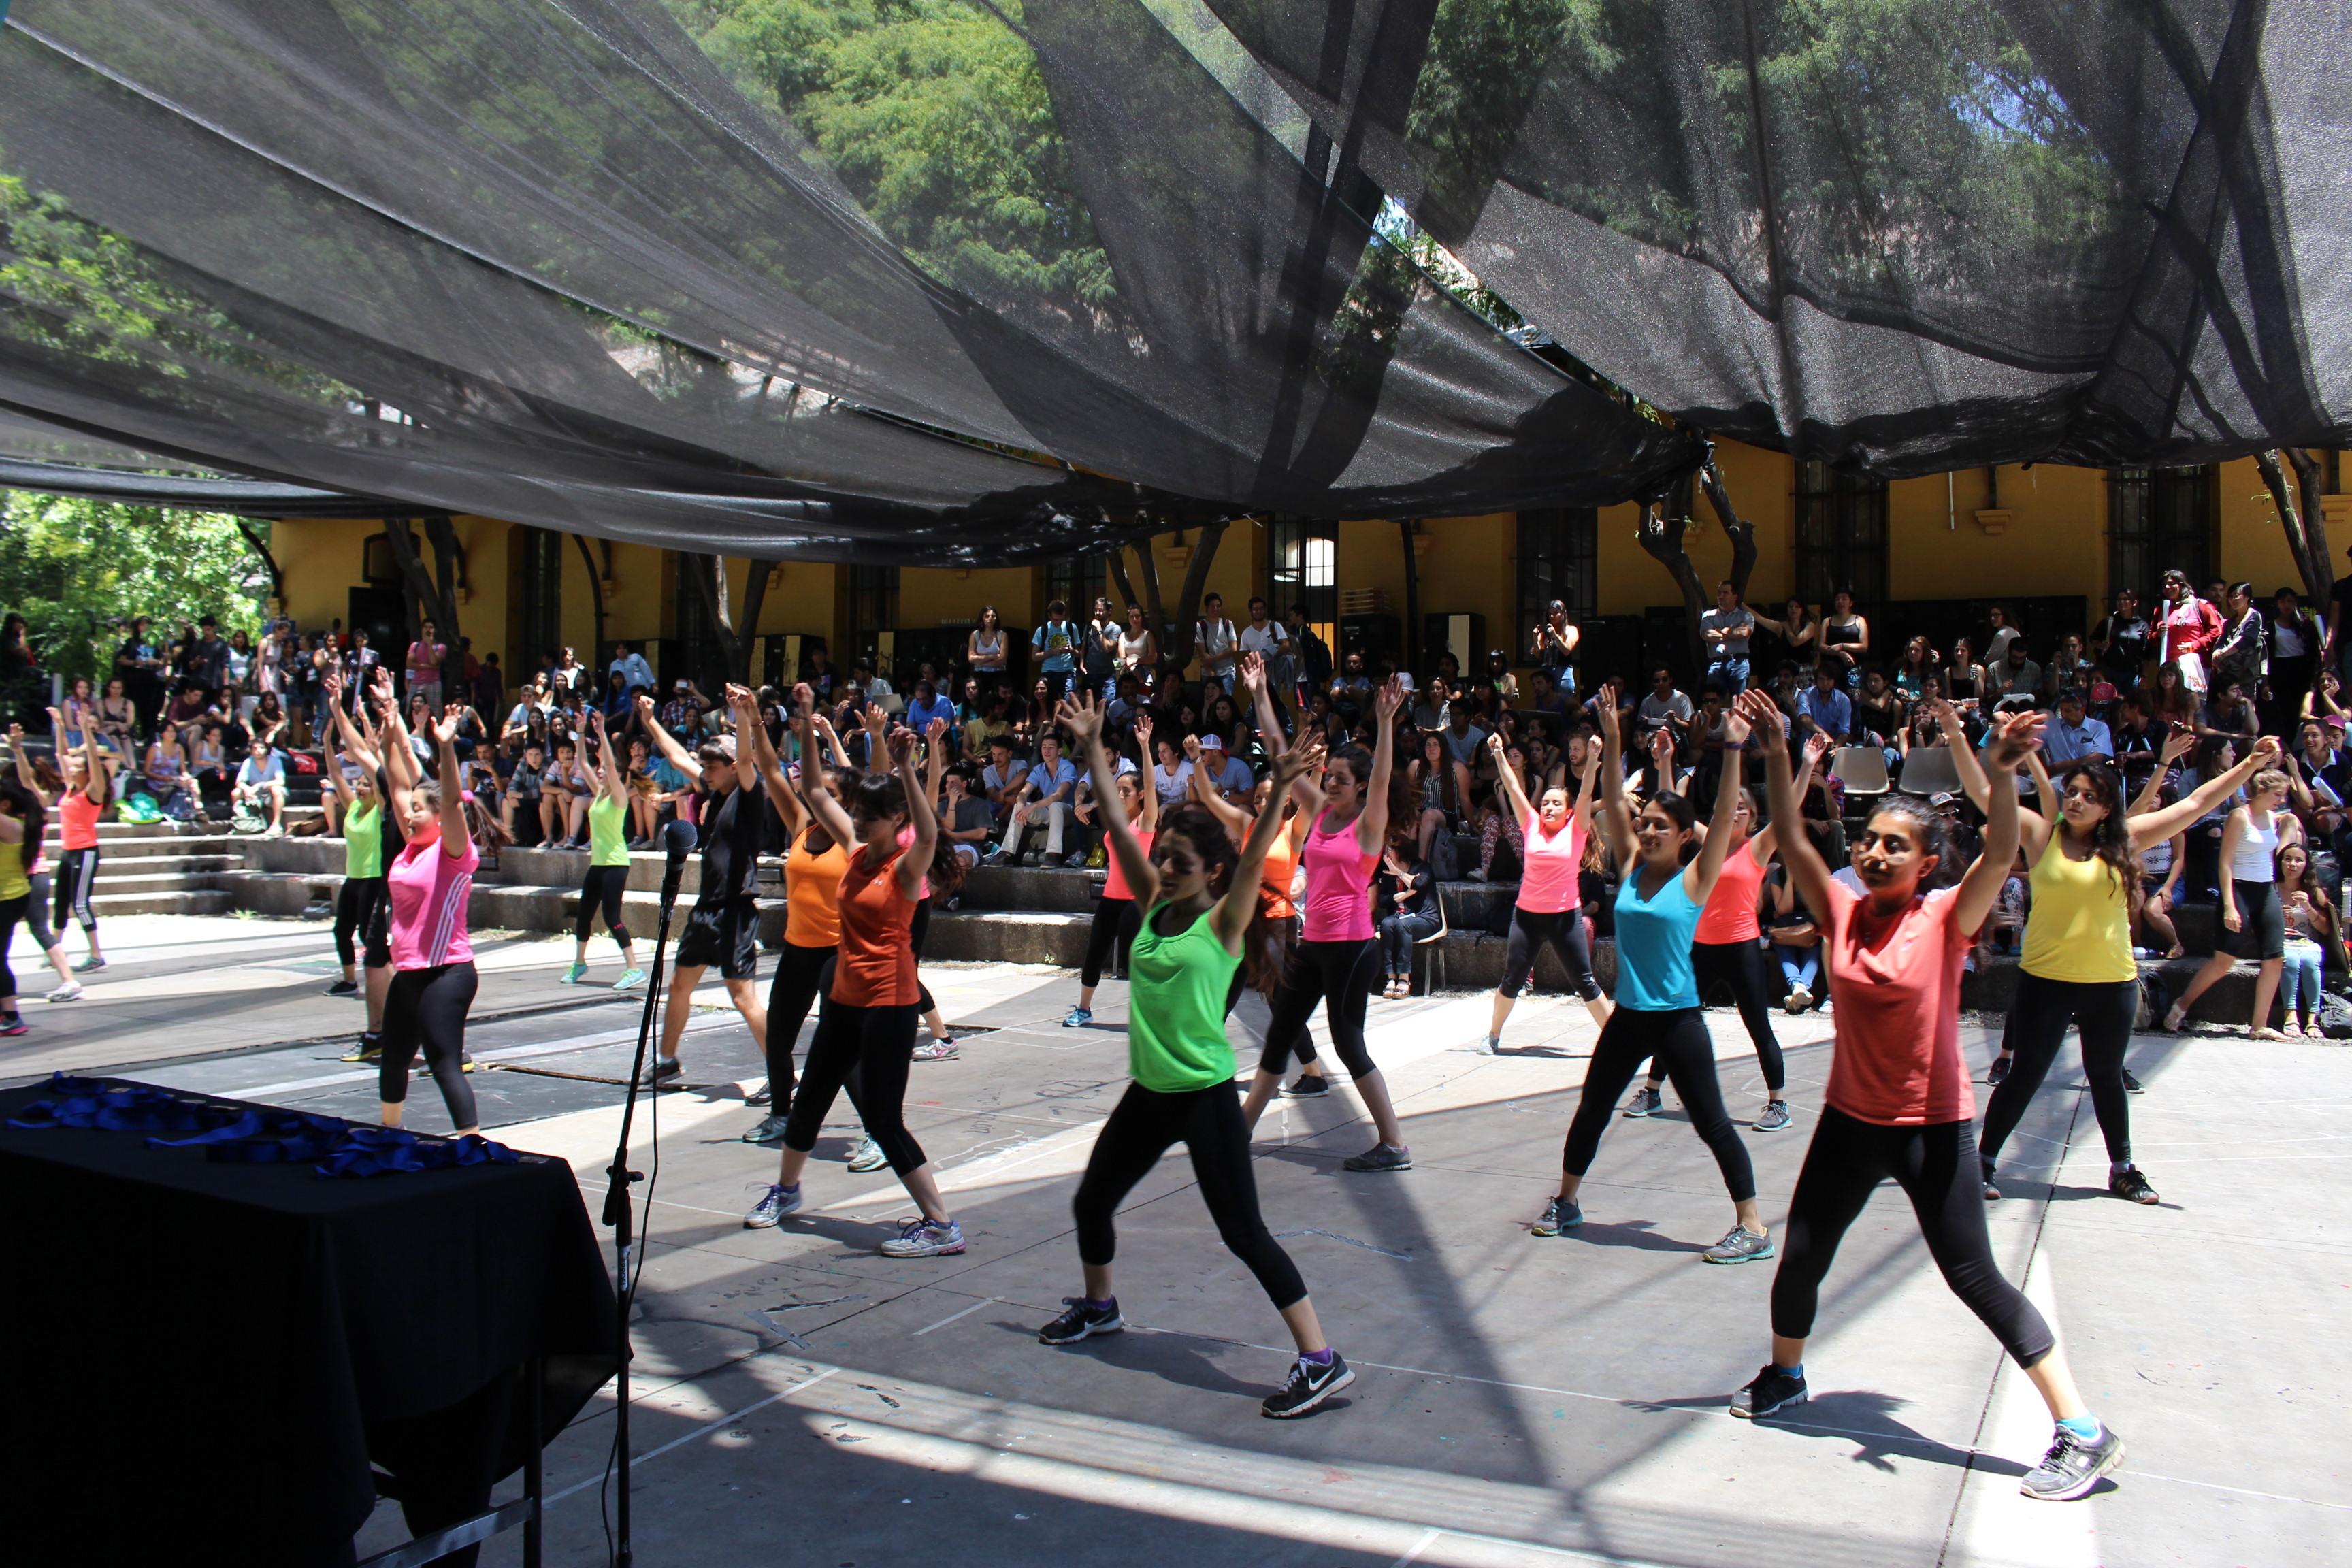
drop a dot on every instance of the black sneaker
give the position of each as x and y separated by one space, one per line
1081 1321
1380 1157
2131 1186
1991 1187
369 1049
344 988
2133 1085
2071 1467
661 1069
1998 1072
760 1095
1310 1386
1770 1391
1308 1085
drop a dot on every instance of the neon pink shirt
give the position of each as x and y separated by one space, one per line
1895 981
1115 880
1339 878
1548 866
1730 912
428 905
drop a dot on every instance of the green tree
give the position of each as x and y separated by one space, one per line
77 570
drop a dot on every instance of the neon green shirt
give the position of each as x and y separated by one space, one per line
1176 1006
606 845
363 839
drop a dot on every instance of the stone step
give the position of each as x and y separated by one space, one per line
182 901
1009 936
133 883
168 846
112 868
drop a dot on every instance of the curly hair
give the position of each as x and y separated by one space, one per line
2111 840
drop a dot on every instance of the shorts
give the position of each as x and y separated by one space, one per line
724 934
2261 935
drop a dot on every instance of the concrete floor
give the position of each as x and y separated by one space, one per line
1517 1401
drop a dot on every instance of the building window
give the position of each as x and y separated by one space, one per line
1559 558
2157 520
1075 581
539 620
873 610
1302 567
1840 535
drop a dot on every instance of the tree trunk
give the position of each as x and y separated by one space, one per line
1196 582
2306 543
2309 481
1154 615
595 588
429 600
449 564
708 575
1407 529
1741 533
1660 532
1119 579
268 562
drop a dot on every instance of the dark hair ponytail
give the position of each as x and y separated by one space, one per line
32 813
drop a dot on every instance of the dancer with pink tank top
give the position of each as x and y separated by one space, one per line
1336 958
433 978
1547 912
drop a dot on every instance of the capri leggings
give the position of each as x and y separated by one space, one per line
1564 932
1679 1039
2037 1027
1208 1122
77 872
1339 974
11 911
875 1044
356 926
1936 1166
428 1007
803 974
604 887
917 930
1740 966
36 911
1115 922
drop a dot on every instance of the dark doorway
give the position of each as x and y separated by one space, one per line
382 614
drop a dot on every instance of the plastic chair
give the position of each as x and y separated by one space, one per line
1861 769
1433 949
1930 770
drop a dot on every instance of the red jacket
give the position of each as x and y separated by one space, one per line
2191 626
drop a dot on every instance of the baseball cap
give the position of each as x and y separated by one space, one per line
723 745
1212 742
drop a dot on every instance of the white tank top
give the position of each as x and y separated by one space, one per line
2255 848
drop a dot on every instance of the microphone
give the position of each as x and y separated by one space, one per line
677 842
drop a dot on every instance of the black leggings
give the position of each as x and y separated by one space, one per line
1679 1039
36 911
77 872
917 930
604 886
1208 1122
11 911
1740 966
803 974
356 904
1115 922
2037 1027
1936 1166
1530 930
876 1044
1339 975
429 1006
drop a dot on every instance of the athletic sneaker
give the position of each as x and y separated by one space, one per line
369 1049
1560 1215
1308 1085
572 975
768 1134
936 1051
1380 1157
1774 1120
1769 1391
465 1060
867 1156
1739 1245
1991 1187
2130 1184
661 1069
85 965
920 1237
760 1095
1998 1072
2133 1085
629 977
65 993
1798 1000
1646 1101
340 988
1082 1319
1078 1018
778 1201
1310 1384
2071 1467
13 1026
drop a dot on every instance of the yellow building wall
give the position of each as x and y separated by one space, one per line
934 596
2055 542
2253 543
322 559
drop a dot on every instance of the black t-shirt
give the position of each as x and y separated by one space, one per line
2126 642
732 826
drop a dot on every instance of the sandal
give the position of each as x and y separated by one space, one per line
2267 1033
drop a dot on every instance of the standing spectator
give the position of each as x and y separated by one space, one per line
1216 642
360 663
2119 642
140 662
2190 628
1314 666
489 685
1270 640
2069 669
1047 791
1553 642
1726 629
1800 634
636 674
1056 642
1846 637
424 662
985 649
2242 652
1098 655
1138 650
2004 632
2295 639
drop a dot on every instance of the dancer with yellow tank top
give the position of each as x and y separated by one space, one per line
2078 967
22 821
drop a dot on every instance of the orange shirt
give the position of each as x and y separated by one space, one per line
1730 912
877 968
1281 870
1895 980
813 895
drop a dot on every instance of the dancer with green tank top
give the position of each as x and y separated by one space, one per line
1197 895
608 864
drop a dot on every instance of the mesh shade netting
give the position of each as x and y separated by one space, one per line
947 283
1903 234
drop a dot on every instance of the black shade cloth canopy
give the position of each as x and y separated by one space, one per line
210 1354
618 267
1900 235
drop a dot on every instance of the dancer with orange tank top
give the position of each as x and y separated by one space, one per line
89 785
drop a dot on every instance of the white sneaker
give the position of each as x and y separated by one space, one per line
1798 999
65 993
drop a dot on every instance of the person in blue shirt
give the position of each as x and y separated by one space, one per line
2075 736
261 781
928 705
1047 796
1825 707
1056 645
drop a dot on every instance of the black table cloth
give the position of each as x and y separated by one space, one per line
206 1356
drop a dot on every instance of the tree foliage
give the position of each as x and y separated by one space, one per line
77 570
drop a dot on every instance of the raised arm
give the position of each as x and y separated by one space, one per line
2177 744
681 759
1699 878
1269 717
1231 918
454 831
821 806
2161 825
2015 738
1081 714
1372 822
916 864
612 779
1616 816
1508 779
1765 838
1149 795
752 738
95 784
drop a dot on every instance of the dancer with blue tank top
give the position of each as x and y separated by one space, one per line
1657 1013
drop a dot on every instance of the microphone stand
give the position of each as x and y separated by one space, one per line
619 1207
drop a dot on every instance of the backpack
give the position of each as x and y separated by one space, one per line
1445 858
246 817
139 807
